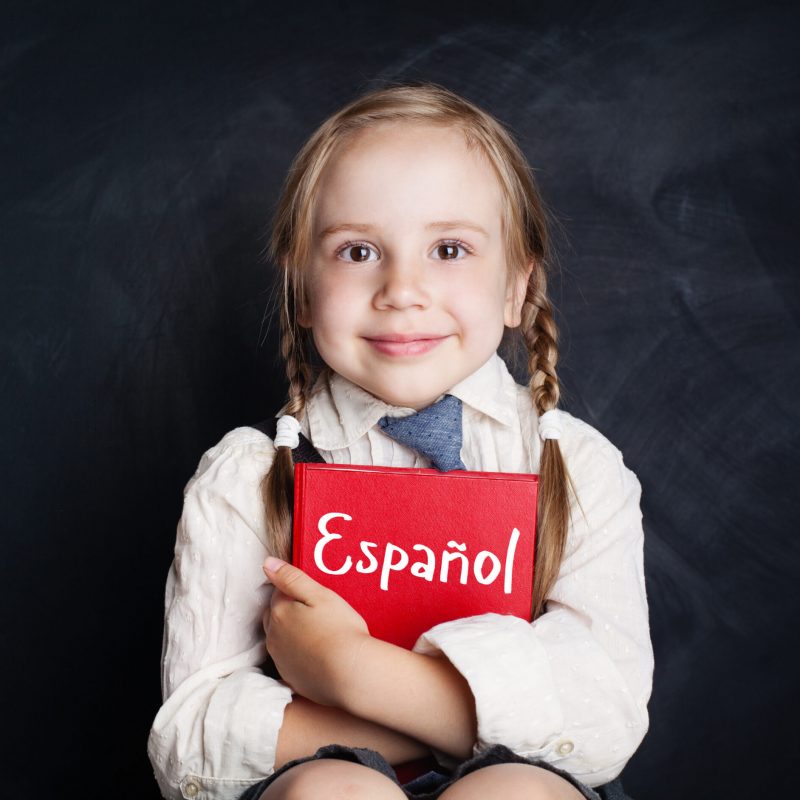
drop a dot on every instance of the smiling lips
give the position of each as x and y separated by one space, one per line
413 344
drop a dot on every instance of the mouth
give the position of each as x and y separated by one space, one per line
412 344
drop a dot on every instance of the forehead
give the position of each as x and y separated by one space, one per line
413 170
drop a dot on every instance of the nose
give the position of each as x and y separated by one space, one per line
402 285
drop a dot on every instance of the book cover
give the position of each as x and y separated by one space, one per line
410 548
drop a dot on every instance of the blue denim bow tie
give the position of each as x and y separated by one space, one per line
435 432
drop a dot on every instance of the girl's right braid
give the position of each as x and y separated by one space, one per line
278 488
540 334
298 370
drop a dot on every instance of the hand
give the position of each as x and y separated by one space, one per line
312 634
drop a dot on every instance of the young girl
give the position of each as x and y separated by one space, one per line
411 236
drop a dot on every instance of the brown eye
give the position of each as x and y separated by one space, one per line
356 253
447 251
359 253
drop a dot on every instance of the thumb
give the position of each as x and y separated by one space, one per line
290 580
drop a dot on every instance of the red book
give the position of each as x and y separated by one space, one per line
410 548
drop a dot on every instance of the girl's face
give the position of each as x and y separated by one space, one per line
408 289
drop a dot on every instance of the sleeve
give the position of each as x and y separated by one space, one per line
217 729
572 687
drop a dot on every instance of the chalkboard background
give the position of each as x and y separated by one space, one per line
143 145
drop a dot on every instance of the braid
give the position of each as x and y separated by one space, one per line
298 369
540 335
278 484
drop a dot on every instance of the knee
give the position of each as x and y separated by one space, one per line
330 779
512 782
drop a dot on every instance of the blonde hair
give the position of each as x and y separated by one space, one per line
526 241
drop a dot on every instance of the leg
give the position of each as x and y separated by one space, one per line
512 782
332 779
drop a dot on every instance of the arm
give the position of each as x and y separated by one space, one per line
219 720
223 724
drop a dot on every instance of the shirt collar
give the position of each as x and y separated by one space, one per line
340 412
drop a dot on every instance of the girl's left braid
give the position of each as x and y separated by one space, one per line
540 335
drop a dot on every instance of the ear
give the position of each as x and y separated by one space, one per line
515 295
302 311
303 315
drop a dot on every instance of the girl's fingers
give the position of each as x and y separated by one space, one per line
290 580
272 565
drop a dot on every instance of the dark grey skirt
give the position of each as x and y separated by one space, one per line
430 785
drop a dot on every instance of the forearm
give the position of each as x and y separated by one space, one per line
324 651
424 697
308 726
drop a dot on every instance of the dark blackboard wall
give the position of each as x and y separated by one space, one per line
143 145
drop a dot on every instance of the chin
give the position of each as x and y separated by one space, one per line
408 401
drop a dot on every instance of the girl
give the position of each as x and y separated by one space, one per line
411 235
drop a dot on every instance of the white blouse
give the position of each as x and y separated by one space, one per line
571 687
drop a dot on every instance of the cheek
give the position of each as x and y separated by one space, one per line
333 305
481 306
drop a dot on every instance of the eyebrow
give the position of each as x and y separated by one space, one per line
447 224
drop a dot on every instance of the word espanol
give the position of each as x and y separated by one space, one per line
396 559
